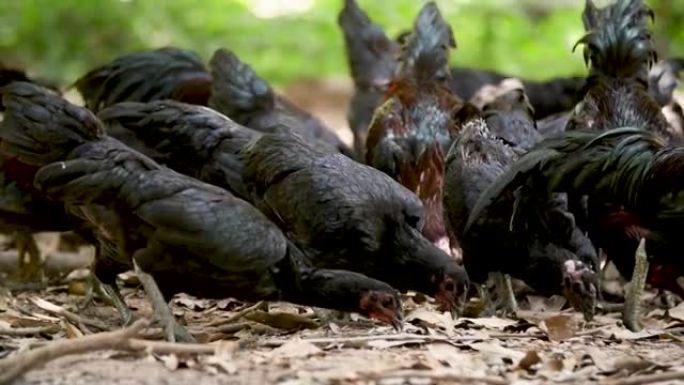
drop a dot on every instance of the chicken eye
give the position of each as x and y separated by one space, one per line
388 302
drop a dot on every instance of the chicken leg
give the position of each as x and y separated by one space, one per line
504 289
108 293
630 316
26 245
173 331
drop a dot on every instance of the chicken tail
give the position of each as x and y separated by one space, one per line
425 53
193 140
630 164
237 89
370 53
618 40
165 73
40 127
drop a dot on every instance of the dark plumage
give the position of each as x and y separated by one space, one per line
192 140
538 244
164 73
179 233
239 93
511 118
631 178
372 60
620 52
412 130
347 215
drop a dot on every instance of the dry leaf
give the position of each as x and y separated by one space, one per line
487 322
221 361
432 318
296 348
386 344
494 353
71 330
559 327
286 321
605 359
531 358
677 312
169 360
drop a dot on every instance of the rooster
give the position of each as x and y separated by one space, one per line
620 52
632 179
372 58
545 249
412 130
164 73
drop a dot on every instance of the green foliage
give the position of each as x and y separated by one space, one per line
62 39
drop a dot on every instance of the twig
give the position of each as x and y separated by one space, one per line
163 347
440 375
237 315
73 317
647 378
16 332
231 328
398 337
13 367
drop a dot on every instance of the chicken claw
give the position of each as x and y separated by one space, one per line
630 316
172 330
580 287
111 295
26 245
504 289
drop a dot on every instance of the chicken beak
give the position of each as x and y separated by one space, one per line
455 312
398 324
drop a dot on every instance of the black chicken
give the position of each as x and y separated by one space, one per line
190 139
620 52
372 59
348 215
179 234
542 247
164 73
631 177
239 93
510 117
413 129
343 214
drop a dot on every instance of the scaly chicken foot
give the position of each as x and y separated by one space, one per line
630 316
488 306
506 296
26 246
110 294
173 331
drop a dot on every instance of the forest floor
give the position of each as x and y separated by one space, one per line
292 345
288 344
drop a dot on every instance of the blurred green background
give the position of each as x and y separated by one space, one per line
289 39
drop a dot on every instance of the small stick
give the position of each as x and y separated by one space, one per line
73 317
15 366
18 332
647 378
440 375
163 347
237 315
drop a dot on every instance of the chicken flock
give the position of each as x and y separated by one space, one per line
204 180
